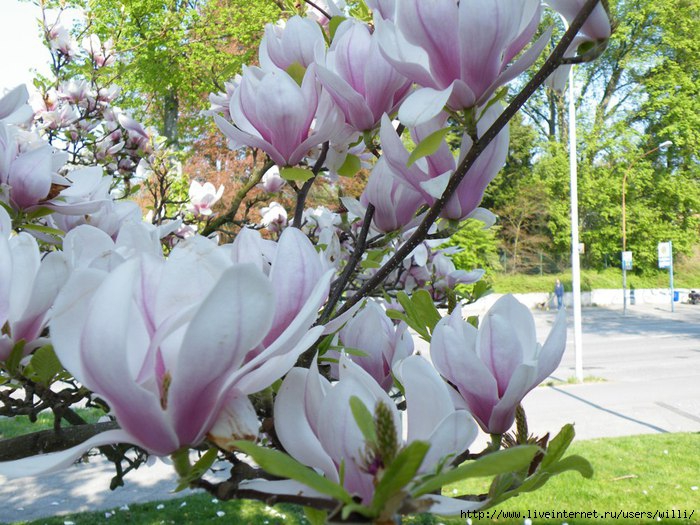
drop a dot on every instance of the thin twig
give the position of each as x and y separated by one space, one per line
304 191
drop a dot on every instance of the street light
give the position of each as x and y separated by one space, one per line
624 219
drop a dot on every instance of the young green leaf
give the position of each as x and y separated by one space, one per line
351 166
501 462
427 146
297 72
364 419
333 25
399 473
315 516
44 365
573 462
198 469
296 174
280 464
557 446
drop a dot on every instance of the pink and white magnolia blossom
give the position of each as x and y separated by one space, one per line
384 9
100 53
596 27
60 40
384 343
203 197
315 424
176 358
272 112
430 175
296 41
274 217
13 106
330 7
395 202
495 366
358 78
28 286
458 52
272 182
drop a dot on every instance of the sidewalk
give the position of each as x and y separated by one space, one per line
649 361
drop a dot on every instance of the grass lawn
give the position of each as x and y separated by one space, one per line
640 473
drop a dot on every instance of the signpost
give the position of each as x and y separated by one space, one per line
626 265
666 261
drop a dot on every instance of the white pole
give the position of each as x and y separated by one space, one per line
575 262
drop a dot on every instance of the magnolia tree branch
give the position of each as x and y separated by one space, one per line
304 191
217 223
45 441
553 61
342 281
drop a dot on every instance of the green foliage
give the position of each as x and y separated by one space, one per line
172 54
419 312
479 247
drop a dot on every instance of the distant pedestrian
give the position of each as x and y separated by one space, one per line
559 292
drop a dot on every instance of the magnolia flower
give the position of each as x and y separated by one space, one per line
274 217
13 106
298 41
430 175
395 201
330 7
28 286
176 358
459 52
359 79
100 53
494 367
272 182
60 40
446 276
221 101
272 112
373 333
597 25
384 9
203 197
315 424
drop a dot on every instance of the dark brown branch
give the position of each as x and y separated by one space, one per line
339 285
304 191
45 441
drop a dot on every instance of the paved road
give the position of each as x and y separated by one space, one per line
650 361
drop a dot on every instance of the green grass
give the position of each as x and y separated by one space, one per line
638 473
573 381
19 425
592 280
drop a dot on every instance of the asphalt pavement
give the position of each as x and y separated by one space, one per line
642 375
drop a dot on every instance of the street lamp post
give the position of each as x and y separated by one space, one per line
624 218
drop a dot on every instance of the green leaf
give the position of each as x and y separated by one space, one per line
351 166
333 25
43 229
557 446
501 462
425 309
280 464
44 365
573 462
315 516
364 419
400 473
297 72
428 145
16 354
350 351
38 213
296 174
198 469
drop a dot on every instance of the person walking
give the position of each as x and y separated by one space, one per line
559 292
